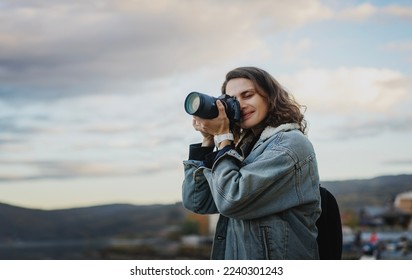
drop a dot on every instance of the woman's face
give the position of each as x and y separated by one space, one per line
254 105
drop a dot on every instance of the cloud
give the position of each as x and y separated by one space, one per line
49 47
353 102
360 12
405 46
55 49
398 11
27 170
365 11
356 127
398 162
129 64
292 51
347 90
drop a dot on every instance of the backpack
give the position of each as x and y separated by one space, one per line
329 227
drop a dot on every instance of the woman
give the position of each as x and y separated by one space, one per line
263 181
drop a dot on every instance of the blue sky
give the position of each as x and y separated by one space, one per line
91 92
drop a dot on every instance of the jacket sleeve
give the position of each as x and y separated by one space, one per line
265 186
196 194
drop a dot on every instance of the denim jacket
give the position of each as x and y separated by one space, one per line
268 201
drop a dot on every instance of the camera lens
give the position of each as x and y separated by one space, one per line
192 103
201 105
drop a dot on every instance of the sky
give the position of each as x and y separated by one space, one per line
91 92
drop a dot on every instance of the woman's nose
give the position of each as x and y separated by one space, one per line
242 104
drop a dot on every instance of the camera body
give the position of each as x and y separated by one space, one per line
204 106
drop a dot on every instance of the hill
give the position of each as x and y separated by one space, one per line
379 191
134 221
117 220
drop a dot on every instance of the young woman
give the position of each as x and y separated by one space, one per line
262 179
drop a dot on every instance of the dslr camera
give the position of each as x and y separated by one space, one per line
204 106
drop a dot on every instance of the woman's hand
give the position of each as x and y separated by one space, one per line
207 138
211 127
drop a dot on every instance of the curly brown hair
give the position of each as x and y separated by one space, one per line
283 108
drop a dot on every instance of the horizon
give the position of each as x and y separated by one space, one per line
176 202
91 112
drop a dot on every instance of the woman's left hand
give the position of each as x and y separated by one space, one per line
216 126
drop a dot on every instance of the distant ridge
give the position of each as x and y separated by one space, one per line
116 220
378 191
131 221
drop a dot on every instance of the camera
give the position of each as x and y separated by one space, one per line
204 106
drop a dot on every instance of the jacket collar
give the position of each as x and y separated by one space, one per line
270 130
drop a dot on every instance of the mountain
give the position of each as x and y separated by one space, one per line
134 221
117 220
379 191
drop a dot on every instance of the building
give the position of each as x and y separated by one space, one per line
202 223
403 201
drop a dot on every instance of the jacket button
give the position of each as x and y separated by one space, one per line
219 237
